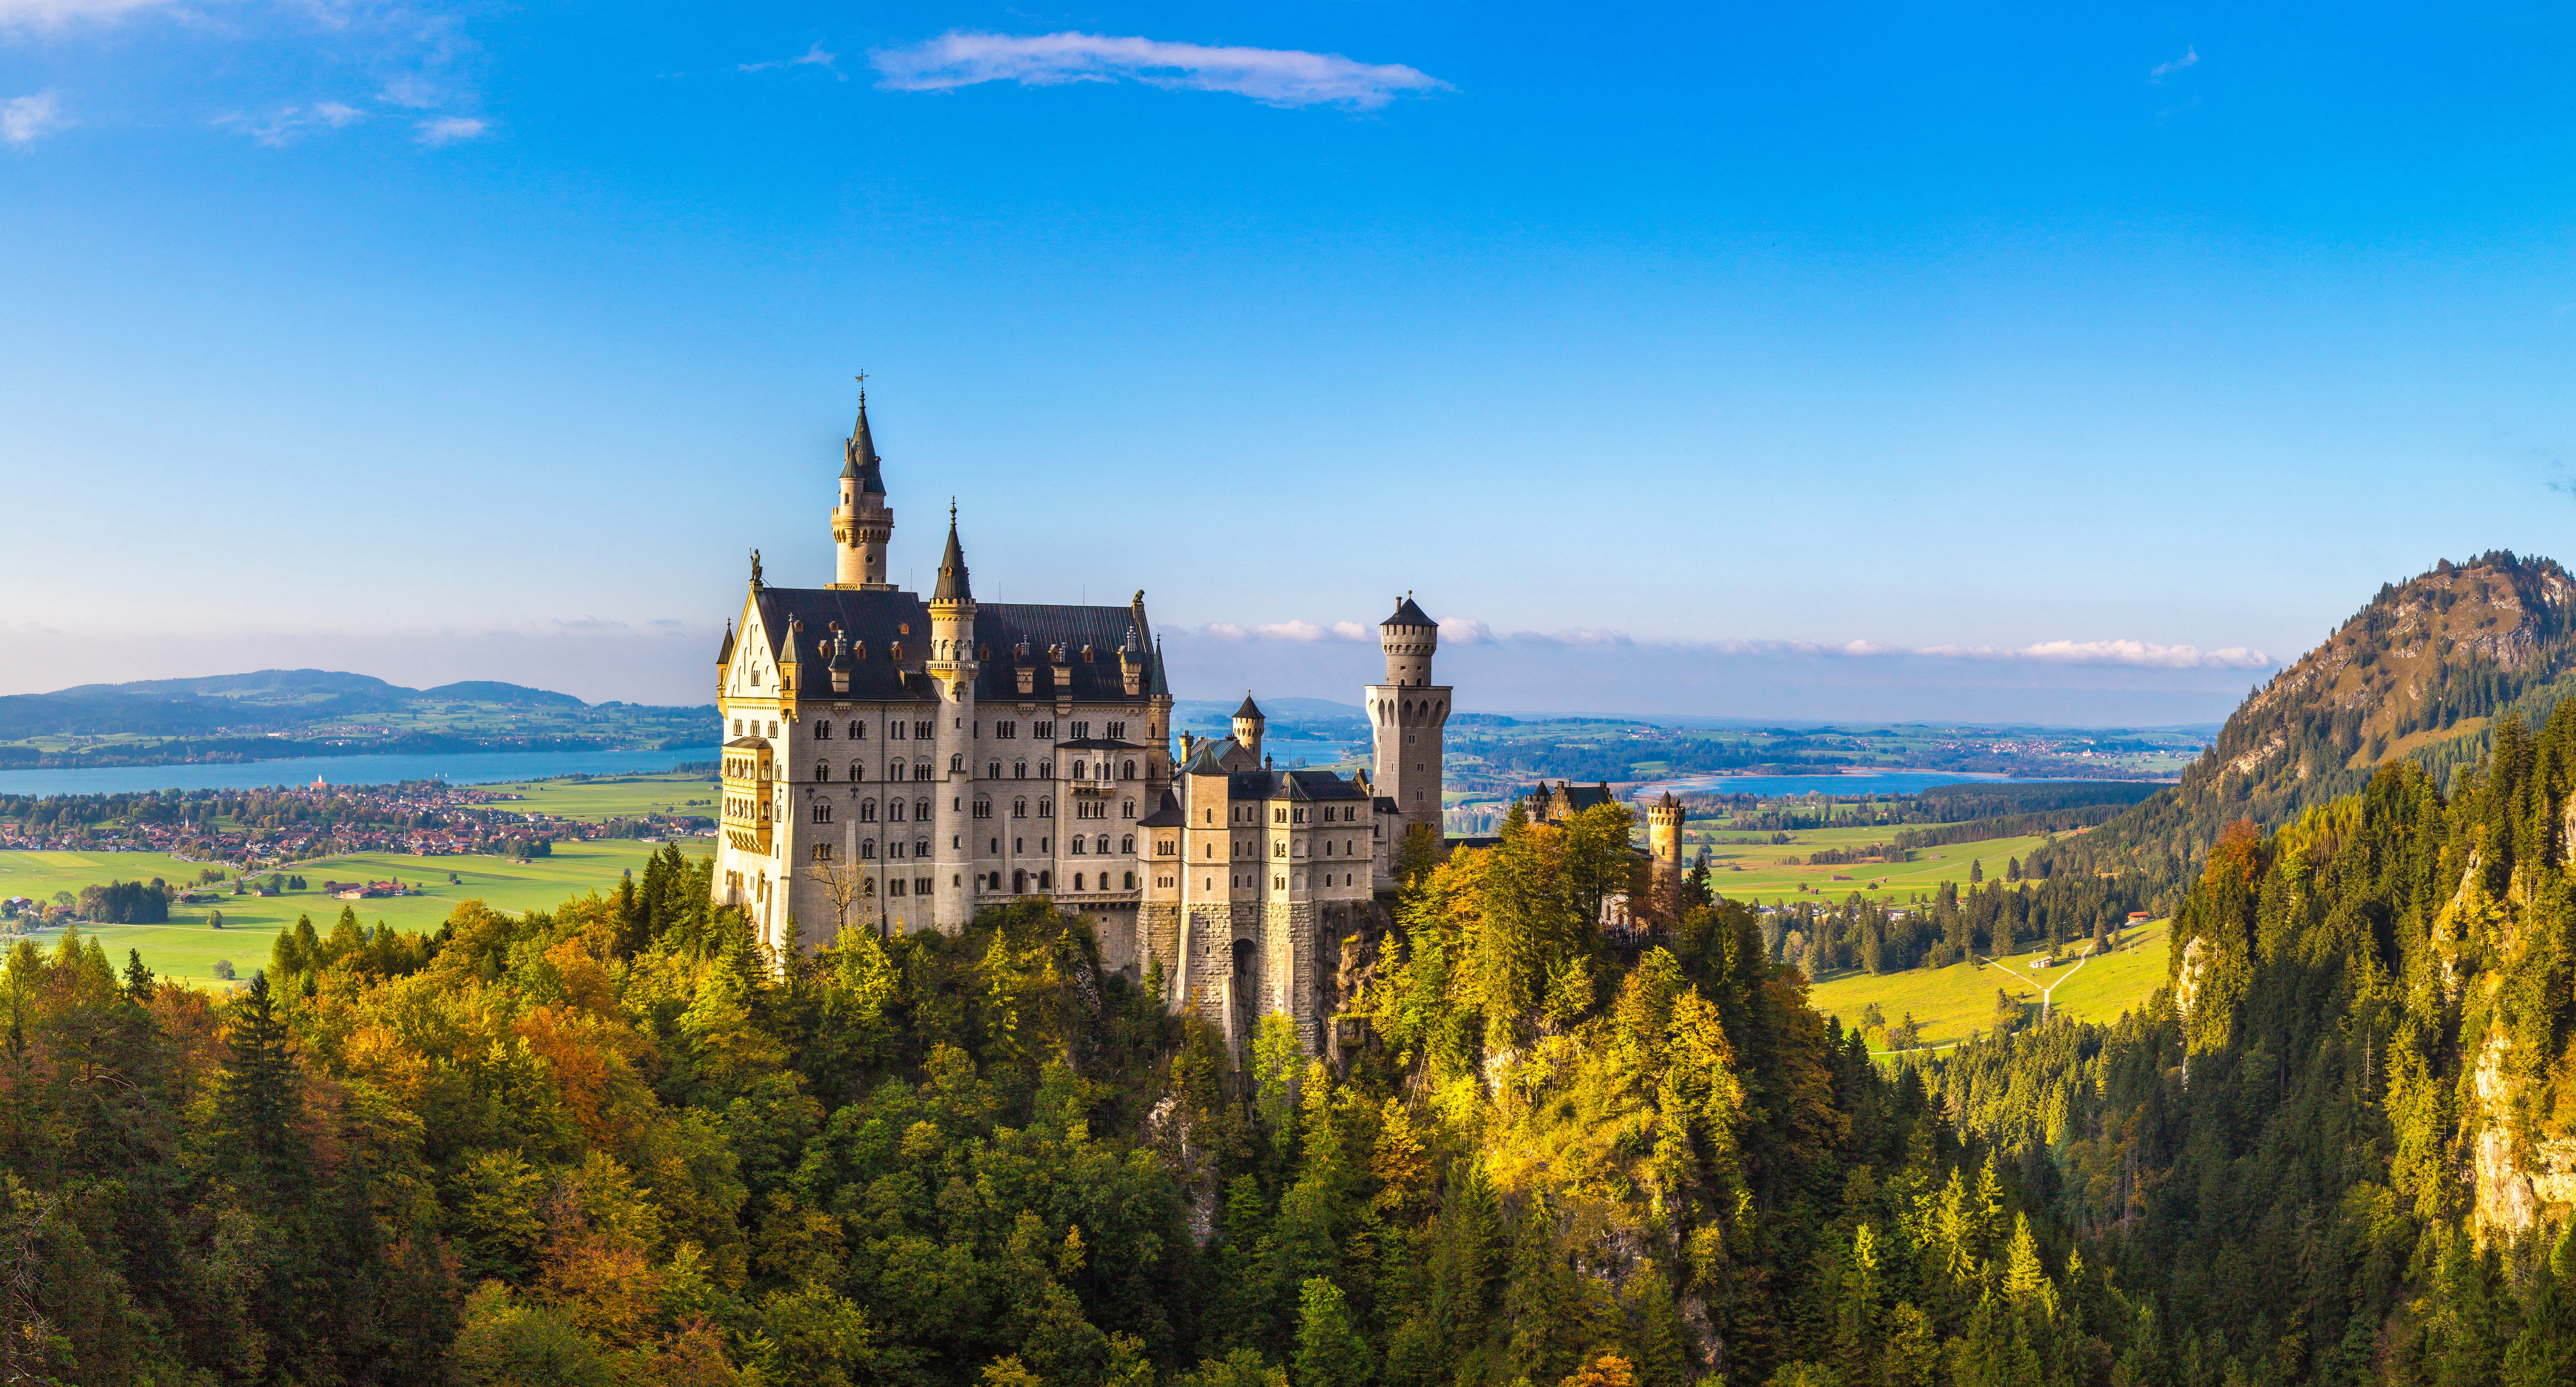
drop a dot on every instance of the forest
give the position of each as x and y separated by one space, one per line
616 1143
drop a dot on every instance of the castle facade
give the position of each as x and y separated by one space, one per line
892 763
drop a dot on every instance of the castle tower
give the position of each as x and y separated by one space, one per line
1248 725
951 668
1664 838
862 522
1406 715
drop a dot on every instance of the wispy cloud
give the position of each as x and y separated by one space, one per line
26 119
286 124
1467 630
1275 76
447 130
2189 57
53 14
2146 654
814 57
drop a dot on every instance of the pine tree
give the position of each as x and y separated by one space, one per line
1329 1352
138 979
2544 1354
259 1099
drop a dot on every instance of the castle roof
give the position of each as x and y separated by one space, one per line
875 621
1166 815
952 569
1407 614
724 653
861 454
1291 785
1249 708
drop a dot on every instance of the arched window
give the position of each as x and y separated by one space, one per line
868 848
822 770
957 763
1127 844
1127 810
1131 881
921 811
822 811
1104 844
992 770
858 730
1077 881
1127 770
1077 843
1046 808
1045 880
1045 769
1019 809
983 807
823 731
894 811
867 811
868 887
1019 770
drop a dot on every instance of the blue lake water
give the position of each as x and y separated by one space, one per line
1882 783
465 768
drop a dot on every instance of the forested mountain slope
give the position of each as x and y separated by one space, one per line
2419 673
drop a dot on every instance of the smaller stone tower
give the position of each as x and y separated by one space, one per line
862 523
1664 838
1249 725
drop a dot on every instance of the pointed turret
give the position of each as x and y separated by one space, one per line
860 454
862 522
952 569
1249 724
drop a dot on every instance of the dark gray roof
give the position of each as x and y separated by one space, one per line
1098 744
874 621
1407 614
860 454
1295 785
1166 814
1249 708
952 569
724 655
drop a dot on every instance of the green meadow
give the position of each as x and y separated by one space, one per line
603 797
1758 871
1948 1003
189 945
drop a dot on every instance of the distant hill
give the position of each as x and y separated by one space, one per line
271 713
2421 672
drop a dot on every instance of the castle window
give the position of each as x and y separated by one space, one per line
1081 770
895 887
867 811
921 811
869 887
868 848
922 732
1006 730
992 770
822 731
1019 770
858 730
1043 731
737 727
895 730
1044 879
1079 844
1127 770
1298 816
1117 731
894 811
822 852
956 763
1127 809
983 807
1080 730
1046 770
1046 808
1279 816
1280 848
822 770
894 849
822 811
1162 847
1131 881
1127 844
1103 845
1019 809
1077 881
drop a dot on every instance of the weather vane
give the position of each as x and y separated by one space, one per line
862 379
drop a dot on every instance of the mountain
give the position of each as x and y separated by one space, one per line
2421 673
490 691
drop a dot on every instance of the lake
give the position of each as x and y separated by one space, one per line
1767 786
464 768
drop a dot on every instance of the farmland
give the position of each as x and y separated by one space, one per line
1760 871
1949 1003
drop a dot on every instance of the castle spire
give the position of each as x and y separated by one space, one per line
859 455
952 567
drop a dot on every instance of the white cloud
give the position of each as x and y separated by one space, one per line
1275 76
285 124
1464 630
1351 631
52 14
814 57
447 130
2147 654
25 119
2189 57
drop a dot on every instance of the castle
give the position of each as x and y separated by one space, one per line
895 764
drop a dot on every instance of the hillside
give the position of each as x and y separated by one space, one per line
2420 673
311 712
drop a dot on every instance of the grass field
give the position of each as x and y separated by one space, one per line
187 947
1950 1002
612 796
1766 878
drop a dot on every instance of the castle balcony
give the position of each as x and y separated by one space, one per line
750 776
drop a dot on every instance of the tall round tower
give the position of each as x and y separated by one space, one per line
1664 835
1406 716
951 667
862 522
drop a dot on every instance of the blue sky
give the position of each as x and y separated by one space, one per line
1882 360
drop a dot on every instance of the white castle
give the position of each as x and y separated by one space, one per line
893 764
